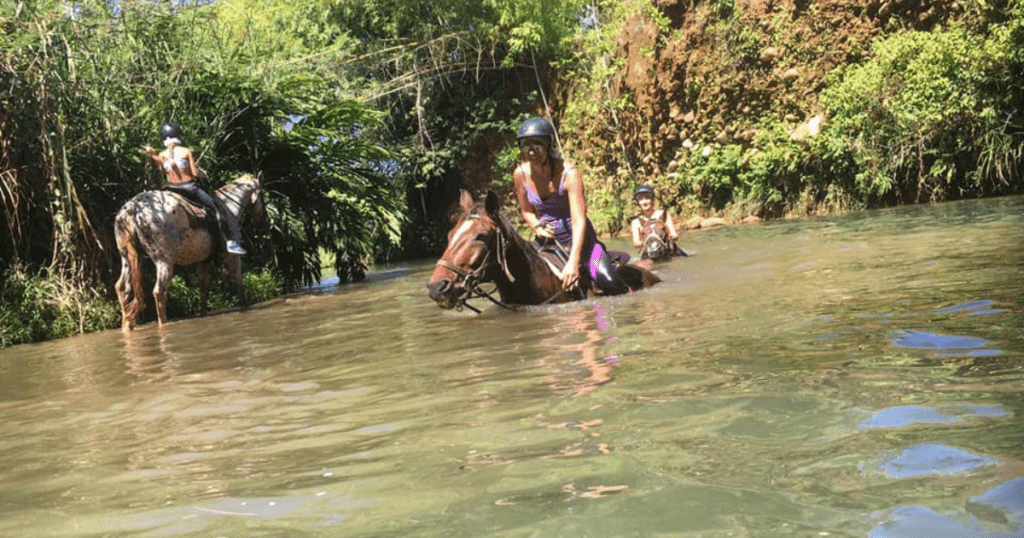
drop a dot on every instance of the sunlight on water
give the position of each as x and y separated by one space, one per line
850 376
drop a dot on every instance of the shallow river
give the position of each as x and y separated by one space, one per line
856 376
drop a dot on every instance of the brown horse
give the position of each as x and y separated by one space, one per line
171 230
656 243
483 246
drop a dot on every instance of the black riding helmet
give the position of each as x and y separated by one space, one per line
643 189
535 128
170 130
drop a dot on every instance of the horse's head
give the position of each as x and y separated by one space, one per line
253 202
656 242
471 254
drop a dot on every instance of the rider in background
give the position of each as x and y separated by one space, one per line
178 164
552 202
644 198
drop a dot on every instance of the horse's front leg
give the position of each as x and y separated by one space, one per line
203 272
164 273
123 286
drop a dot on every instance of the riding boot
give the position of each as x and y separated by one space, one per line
607 278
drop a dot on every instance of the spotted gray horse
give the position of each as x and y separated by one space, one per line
171 230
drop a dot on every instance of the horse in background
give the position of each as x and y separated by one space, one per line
656 243
172 230
484 246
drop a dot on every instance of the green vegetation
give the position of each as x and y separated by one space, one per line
34 308
933 116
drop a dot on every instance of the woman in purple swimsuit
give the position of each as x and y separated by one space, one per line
551 201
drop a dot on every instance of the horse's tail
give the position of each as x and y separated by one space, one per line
128 246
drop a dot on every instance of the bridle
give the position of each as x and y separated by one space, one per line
471 279
261 201
655 237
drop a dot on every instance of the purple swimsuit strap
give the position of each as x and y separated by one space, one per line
534 197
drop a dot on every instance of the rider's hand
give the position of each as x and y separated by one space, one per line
571 276
544 231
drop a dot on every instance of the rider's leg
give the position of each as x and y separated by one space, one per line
604 273
234 234
224 223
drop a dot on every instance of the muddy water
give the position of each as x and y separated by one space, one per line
852 376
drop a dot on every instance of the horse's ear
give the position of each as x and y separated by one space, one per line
465 200
492 204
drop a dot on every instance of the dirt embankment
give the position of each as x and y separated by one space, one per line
714 76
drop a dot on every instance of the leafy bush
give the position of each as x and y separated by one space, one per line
929 118
35 308
183 299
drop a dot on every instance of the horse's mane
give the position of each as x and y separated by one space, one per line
233 185
234 191
505 227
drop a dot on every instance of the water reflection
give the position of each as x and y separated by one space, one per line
918 521
1006 498
591 368
973 308
908 415
953 345
924 340
148 355
931 459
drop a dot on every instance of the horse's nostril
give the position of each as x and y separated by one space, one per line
437 288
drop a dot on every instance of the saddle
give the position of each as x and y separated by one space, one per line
556 255
203 211
551 252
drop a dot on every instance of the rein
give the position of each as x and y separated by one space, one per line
471 282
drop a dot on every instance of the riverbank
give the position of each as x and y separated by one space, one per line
36 308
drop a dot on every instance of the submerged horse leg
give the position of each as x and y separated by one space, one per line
203 272
164 273
123 287
233 270
129 283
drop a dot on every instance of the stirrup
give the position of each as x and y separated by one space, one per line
234 248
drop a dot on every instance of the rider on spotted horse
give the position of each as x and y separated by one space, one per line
179 166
